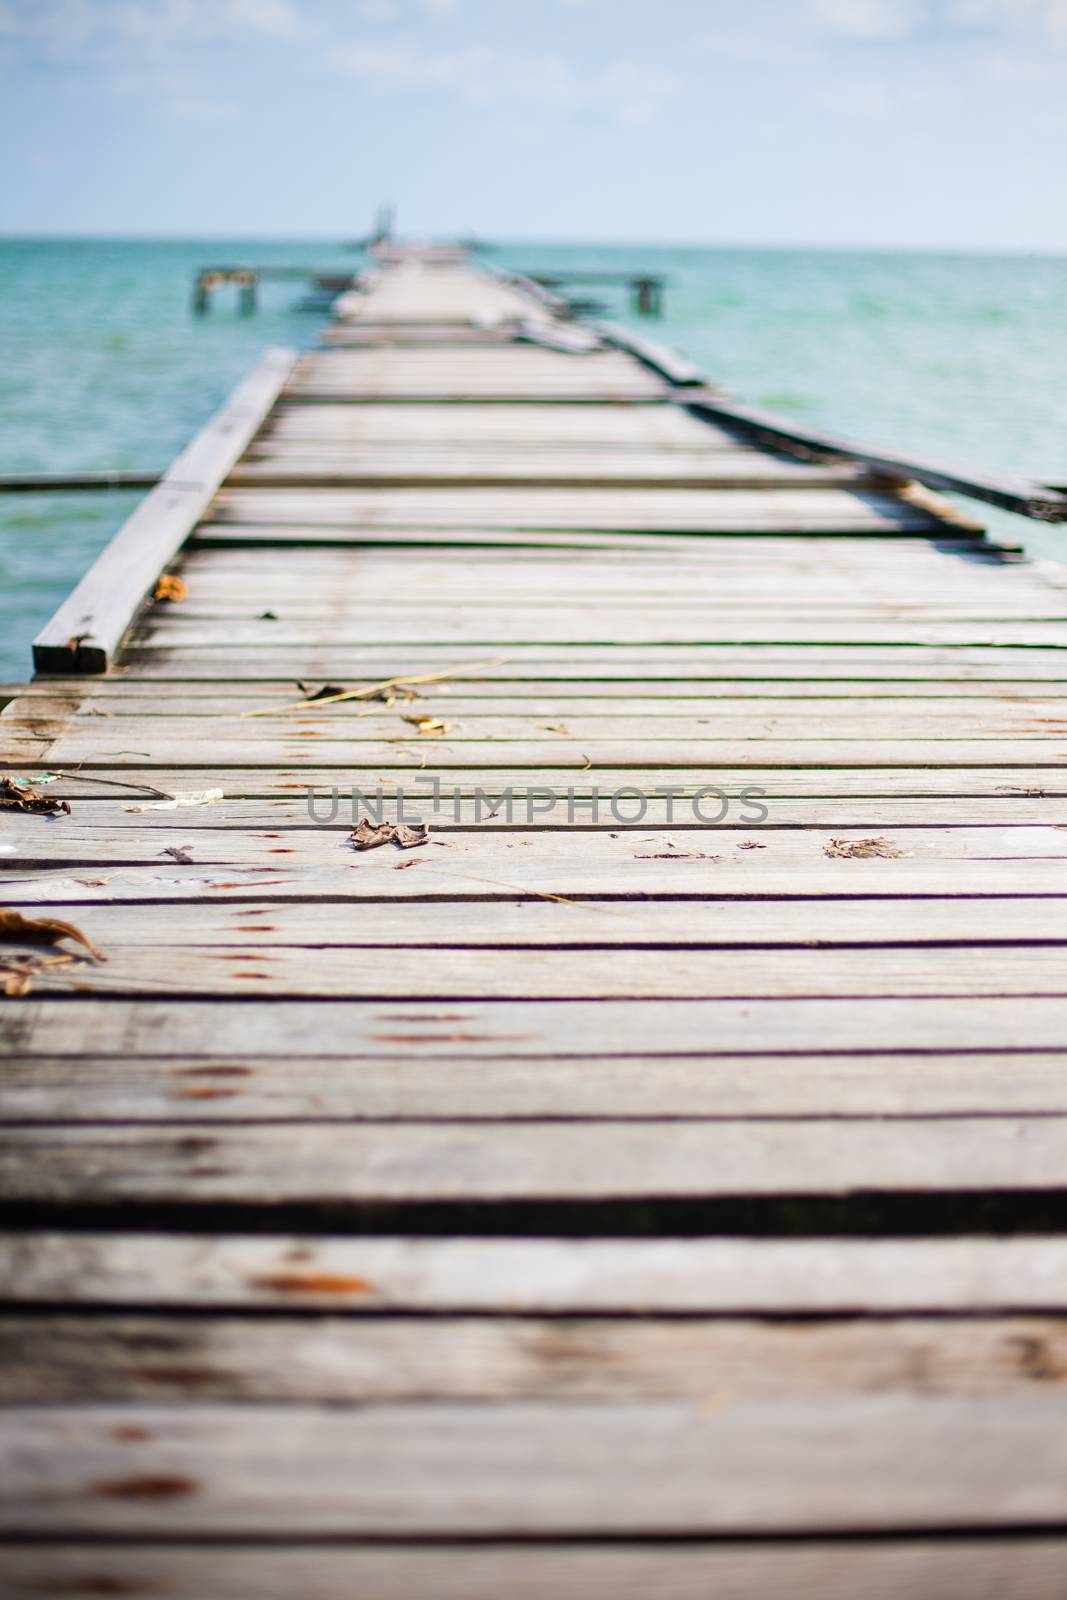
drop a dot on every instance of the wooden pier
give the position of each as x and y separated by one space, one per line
645 1172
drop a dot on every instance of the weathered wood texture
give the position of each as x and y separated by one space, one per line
672 1148
952 1569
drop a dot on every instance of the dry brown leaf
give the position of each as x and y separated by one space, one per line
555 727
16 983
369 835
43 930
861 849
429 727
170 587
751 844
20 797
179 853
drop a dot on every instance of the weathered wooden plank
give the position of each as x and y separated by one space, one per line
1011 493
357 1164
957 558
640 721
87 629
529 426
516 924
716 472
669 363
359 613
767 1465
250 971
482 630
363 877
952 1569
1014 808
409 585
841 861
69 1359
531 1276
452 389
813 669
783 785
954 551
175 697
674 510
511 372
688 658
477 1030
959 569
217 1086
312 599
234 536
160 745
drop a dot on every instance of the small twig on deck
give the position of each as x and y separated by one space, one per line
370 689
117 783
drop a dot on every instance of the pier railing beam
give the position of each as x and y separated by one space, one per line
89 626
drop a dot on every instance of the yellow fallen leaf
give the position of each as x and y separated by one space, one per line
170 587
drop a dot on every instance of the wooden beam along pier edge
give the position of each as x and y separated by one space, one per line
527 1199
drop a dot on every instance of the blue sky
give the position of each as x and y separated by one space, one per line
934 123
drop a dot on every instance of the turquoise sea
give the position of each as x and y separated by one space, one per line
102 364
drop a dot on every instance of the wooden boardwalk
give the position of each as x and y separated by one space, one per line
664 1195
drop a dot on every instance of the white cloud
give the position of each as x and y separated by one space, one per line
868 19
393 10
276 17
1034 21
1038 19
977 32
379 10
483 74
152 49
858 99
126 29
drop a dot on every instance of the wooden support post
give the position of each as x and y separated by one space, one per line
201 295
647 296
248 282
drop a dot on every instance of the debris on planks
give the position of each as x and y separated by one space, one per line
17 929
171 588
369 835
374 691
17 794
862 849
429 727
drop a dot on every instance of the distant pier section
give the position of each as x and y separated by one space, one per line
646 289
